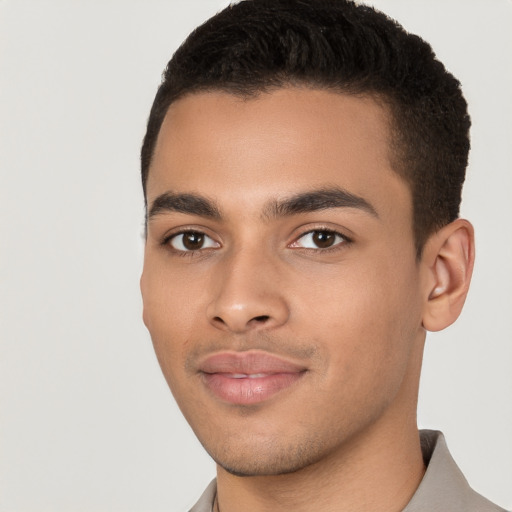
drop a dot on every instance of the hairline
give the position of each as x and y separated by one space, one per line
382 99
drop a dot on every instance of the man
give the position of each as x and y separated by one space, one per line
302 171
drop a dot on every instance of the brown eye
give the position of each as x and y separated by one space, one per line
319 239
192 241
323 239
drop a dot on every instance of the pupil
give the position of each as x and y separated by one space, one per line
193 241
323 239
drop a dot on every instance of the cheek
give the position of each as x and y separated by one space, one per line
368 320
171 313
171 298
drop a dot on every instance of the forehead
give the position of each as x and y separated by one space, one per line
286 141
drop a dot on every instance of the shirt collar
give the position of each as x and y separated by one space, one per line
443 486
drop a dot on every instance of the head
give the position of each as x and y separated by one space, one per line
302 169
255 46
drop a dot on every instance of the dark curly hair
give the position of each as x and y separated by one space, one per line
257 45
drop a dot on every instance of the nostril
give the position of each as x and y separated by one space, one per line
239 323
261 318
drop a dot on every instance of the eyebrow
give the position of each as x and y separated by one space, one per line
322 199
305 202
191 204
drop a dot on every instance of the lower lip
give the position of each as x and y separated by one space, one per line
249 390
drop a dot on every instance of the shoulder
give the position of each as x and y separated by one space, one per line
205 502
444 487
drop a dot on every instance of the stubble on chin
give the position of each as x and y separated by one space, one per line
279 456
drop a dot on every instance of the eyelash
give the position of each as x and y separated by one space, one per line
322 229
166 241
189 253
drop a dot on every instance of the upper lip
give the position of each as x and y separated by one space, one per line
248 363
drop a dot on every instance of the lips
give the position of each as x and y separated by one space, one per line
245 378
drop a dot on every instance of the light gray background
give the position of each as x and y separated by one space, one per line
86 420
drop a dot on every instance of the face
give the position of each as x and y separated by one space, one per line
280 283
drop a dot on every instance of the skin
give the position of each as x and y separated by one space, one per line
353 315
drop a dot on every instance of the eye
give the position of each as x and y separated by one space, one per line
191 241
319 239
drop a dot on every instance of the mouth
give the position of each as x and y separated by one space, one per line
246 378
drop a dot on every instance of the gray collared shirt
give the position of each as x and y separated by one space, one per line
443 488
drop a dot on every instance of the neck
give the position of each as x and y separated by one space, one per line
381 477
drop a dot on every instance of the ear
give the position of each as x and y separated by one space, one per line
448 258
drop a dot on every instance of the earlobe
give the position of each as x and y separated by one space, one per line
448 258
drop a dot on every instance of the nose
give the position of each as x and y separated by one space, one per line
248 294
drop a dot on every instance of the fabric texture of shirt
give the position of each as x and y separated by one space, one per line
443 488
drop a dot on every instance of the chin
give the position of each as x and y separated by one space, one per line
262 468
269 460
